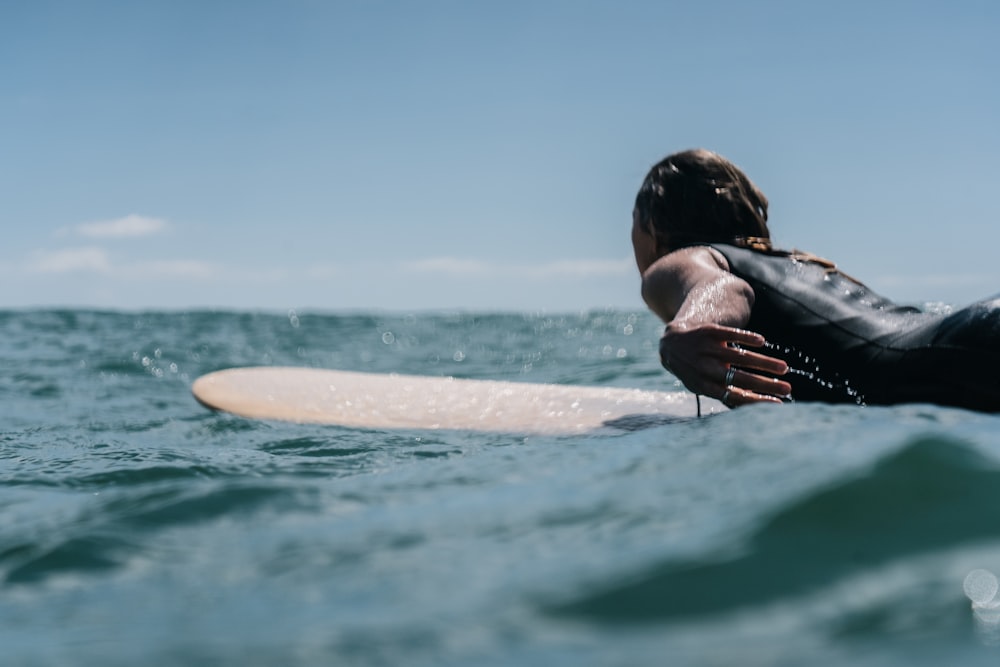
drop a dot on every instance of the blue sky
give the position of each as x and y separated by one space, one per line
483 156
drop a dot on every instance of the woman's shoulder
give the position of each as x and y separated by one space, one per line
692 257
668 280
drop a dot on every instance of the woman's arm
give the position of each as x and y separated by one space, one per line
705 307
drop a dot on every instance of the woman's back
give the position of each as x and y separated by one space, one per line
844 343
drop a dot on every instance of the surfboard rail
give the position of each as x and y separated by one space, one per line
394 401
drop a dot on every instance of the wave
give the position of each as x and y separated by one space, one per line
933 494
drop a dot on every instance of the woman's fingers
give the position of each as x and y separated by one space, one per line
737 397
732 349
712 359
735 356
758 384
736 336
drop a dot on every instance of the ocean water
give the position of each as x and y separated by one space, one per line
139 528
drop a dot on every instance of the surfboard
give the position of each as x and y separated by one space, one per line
390 401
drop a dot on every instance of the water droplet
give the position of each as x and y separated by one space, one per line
980 586
388 338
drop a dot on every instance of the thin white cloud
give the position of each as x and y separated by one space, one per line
131 226
189 269
583 268
70 260
205 272
451 266
931 280
558 268
96 260
323 271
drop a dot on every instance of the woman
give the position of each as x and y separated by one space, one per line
702 245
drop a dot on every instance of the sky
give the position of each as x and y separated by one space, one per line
457 154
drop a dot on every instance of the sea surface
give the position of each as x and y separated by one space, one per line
137 527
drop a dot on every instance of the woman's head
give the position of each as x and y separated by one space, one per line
698 196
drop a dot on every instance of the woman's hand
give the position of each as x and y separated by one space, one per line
711 359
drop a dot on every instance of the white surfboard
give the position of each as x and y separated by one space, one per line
389 401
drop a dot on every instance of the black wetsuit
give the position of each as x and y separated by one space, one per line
844 343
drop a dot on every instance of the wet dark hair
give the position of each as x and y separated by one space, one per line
697 196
